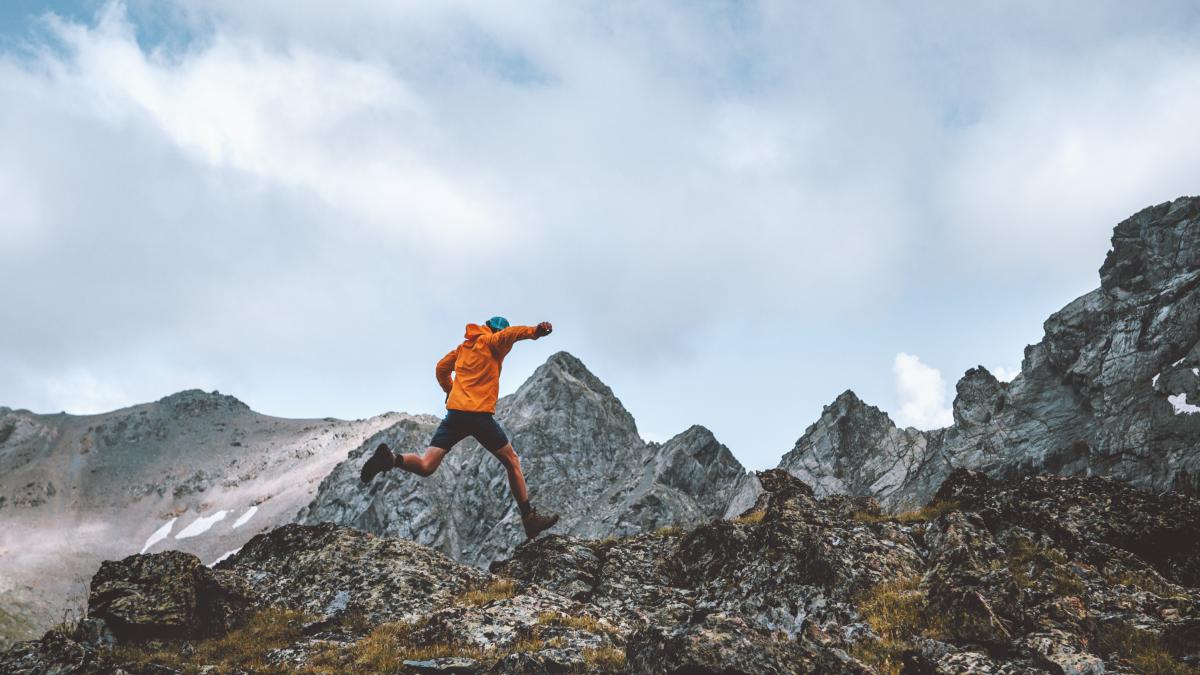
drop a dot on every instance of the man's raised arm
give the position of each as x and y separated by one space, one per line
503 341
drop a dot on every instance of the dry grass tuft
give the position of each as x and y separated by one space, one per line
67 623
1145 650
896 611
383 650
604 659
668 531
500 589
921 515
243 649
1027 561
752 518
1146 581
583 622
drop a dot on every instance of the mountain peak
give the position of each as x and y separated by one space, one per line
564 367
197 401
849 405
1152 246
847 399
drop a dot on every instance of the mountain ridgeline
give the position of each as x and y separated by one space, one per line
1113 389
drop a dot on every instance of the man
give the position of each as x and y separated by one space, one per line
470 406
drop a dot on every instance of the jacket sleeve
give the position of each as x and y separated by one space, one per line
503 341
444 368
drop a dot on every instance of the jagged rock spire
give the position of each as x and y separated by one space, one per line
1111 389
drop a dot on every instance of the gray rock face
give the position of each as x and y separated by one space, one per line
582 457
1112 389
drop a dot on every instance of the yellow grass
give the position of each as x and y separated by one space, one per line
1146 650
584 622
604 658
896 611
500 589
921 515
243 649
752 518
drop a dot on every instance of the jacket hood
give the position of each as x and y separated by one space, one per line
474 330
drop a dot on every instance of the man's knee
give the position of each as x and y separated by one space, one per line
508 456
430 461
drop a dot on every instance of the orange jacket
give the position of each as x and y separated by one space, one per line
476 367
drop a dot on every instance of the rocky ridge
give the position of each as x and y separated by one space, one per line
1043 574
1112 389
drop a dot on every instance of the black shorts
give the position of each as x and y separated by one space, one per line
458 424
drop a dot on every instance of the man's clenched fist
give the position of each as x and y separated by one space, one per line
544 328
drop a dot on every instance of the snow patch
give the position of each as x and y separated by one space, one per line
1154 380
245 517
1182 407
159 534
1178 362
1196 371
200 525
226 555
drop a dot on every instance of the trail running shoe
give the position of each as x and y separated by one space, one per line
535 523
382 460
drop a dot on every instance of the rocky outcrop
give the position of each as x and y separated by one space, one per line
1043 574
582 458
169 595
1112 389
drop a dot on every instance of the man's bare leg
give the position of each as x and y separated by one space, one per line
534 522
516 479
422 465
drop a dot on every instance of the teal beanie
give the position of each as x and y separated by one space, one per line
497 323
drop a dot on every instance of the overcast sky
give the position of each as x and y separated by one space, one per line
732 212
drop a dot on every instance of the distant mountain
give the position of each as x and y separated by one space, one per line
194 471
1113 389
581 455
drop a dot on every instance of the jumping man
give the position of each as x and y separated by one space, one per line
470 403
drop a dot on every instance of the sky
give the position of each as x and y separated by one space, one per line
731 212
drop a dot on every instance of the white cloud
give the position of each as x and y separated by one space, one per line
922 394
1005 374
277 194
1056 159
80 392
